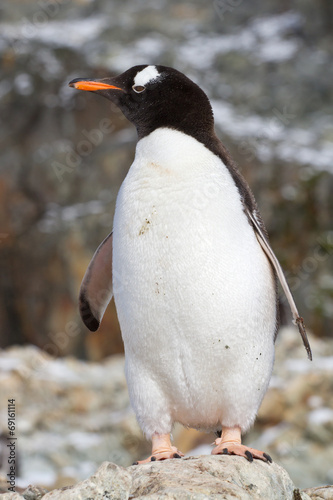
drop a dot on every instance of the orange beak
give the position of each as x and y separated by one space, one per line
91 85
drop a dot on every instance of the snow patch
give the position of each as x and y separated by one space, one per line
324 363
320 416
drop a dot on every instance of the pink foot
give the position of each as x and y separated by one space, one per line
229 448
230 444
162 449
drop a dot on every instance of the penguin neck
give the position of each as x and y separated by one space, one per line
197 123
198 127
172 154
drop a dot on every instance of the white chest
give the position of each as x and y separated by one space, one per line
182 243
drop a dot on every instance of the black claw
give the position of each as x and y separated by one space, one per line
153 459
135 463
249 456
225 451
176 455
268 458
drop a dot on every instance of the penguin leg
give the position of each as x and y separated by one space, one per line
161 449
230 443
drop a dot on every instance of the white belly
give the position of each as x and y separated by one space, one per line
194 291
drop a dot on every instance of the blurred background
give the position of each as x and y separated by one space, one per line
267 68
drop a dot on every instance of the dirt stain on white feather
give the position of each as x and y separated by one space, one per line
162 170
145 227
147 222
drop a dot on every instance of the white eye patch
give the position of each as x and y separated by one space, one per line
145 76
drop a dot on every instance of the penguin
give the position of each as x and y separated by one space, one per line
190 268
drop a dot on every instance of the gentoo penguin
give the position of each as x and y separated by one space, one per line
189 264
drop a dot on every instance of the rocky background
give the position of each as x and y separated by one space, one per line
73 415
267 68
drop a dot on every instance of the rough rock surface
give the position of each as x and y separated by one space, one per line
197 478
320 493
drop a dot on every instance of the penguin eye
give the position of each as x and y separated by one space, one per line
138 88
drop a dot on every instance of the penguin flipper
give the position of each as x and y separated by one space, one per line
96 287
298 320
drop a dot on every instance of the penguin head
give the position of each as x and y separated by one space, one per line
155 96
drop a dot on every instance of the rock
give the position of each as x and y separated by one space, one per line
110 481
33 493
211 477
11 496
321 493
197 478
